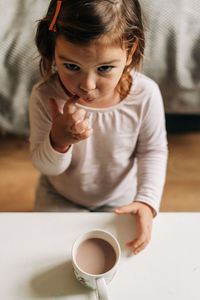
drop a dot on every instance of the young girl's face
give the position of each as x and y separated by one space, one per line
92 72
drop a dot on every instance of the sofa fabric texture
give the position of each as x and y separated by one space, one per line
172 56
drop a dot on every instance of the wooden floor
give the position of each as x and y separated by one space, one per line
182 190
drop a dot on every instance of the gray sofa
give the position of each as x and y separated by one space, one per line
172 56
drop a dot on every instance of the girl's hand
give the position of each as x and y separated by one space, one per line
67 128
145 214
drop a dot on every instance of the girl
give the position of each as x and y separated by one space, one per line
97 125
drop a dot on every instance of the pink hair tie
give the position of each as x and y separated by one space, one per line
52 25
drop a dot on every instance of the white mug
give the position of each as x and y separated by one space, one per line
96 282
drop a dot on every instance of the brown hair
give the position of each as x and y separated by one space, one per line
81 21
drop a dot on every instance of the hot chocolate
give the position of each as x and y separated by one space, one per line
95 256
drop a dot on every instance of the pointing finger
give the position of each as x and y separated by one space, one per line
69 105
54 108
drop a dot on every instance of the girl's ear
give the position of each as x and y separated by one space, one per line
130 55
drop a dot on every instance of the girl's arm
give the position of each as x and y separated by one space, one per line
54 130
152 153
44 157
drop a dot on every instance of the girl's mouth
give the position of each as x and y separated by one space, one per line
87 99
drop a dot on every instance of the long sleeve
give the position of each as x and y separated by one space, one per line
44 157
151 152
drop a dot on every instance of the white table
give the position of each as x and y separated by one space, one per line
35 262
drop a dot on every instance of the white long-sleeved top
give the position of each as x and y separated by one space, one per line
123 161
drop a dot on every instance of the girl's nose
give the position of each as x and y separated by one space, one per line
88 83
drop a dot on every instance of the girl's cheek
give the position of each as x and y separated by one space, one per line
68 81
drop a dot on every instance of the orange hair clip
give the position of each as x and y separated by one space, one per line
52 25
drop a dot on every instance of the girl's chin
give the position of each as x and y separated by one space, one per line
89 100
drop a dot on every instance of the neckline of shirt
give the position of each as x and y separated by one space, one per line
102 109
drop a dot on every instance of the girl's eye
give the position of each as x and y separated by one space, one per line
71 67
105 68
